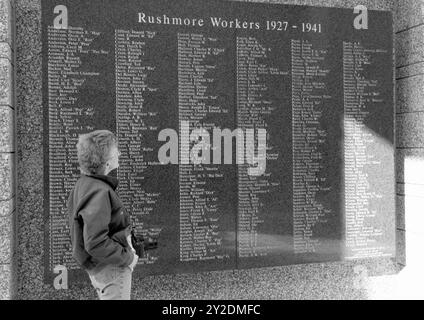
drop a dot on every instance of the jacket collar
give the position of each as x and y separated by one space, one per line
112 181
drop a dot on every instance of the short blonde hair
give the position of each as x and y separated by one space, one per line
94 149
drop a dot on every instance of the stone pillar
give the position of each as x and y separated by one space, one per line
7 147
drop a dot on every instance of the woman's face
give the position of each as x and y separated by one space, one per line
113 161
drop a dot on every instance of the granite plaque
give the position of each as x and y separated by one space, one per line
318 81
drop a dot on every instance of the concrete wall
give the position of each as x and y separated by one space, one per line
315 281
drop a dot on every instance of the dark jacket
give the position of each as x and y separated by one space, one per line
99 223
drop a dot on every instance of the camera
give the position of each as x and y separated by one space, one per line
142 244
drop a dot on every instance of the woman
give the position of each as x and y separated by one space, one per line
100 226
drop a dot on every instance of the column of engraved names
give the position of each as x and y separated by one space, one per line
361 93
309 94
135 122
253 106
66 117
200 238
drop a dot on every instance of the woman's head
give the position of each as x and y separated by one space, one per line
97 152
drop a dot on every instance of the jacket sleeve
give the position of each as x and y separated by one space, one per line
96 215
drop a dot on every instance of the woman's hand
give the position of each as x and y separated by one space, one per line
130 243
134 262
135 259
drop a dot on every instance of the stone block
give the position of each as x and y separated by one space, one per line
410 94
400 247
12 19
7 182
5 281
410 166
409 13
410 130
7 207
5 51
414 248
6 20
5 82
400 212
29 111
30 163
400 189
410 46
385 5
414 217
415 190
410 71
6 236
6 129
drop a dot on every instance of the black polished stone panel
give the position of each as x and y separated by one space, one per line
321 89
